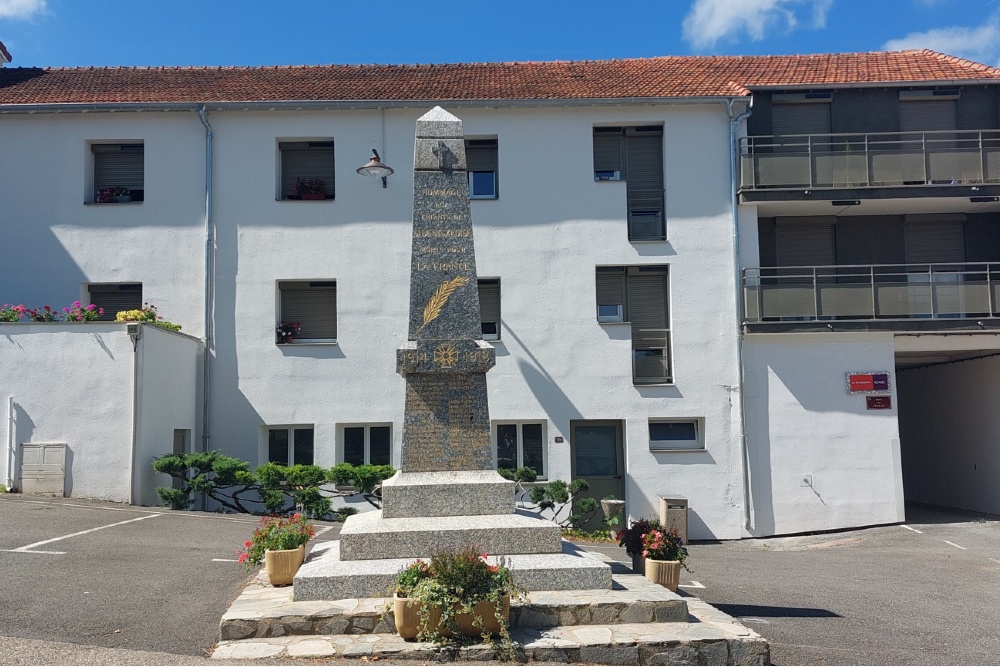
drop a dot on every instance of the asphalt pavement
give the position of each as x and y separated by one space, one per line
89 582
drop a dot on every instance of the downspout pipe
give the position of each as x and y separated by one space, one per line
209 285
734 127
11 434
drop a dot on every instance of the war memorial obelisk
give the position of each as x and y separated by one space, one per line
447 493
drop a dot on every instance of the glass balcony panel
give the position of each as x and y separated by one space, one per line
845 170
993 165
897 168
785 170
853 301
788 301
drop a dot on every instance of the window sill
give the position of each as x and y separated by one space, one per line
676 450
605 323
308 341
653 384
483 198
284 199
112 203
643 241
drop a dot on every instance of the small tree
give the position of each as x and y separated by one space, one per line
557 496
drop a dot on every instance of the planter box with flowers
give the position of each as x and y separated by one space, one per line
456 594
310 188
116 195
280 544
75 312
665 555
287 331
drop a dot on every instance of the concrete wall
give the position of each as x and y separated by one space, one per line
72 383
802 421
167 381
949 430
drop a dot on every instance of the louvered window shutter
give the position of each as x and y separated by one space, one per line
928 116
489 302
481 154
307 160
644 189
116 298
805 244
647 297
313 305
118 165
607 149
928 241
610 287
809 118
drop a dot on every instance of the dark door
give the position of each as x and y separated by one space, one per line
598 456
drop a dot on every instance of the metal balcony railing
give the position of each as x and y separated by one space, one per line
651 356
885 159
871 292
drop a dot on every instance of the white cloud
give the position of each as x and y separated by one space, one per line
708 21
980 43
20 9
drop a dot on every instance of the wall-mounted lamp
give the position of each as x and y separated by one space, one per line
375 169
983 200
846 202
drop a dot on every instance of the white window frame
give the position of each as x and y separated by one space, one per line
696 445
367 426
94 184
491 174
282 286
520 442
304 144
264 450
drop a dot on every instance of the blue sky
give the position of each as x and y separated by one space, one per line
71 33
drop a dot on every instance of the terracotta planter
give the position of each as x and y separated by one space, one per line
282 564
406 612
664 572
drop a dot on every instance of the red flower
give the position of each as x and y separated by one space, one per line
248 543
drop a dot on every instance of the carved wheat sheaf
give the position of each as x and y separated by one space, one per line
440 297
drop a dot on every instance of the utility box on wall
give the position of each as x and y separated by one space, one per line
43 468
674 515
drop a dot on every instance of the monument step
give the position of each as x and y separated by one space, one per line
370 536
448 493
327 576
264 611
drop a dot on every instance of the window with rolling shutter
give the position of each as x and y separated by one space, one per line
114 298
934 239
119 167
489 307
639 295
801 243
928 116
481 162
635 154
307 170
813 118
313 305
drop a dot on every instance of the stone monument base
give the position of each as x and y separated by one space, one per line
326 577
447 493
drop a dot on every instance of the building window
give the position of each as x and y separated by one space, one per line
521 444
481 160
306 169
313 305
118 173
367 445
635 155
675 434
639 295
290 445
115 297
489 307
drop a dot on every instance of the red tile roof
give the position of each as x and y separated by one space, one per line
663 77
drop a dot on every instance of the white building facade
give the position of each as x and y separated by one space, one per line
609 260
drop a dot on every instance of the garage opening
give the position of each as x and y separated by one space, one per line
949 429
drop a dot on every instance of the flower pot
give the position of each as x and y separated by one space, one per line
313 196
287 338
612 507
123 199
406 612
639 563
282 564
664 572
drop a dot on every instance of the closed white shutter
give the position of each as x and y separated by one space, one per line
608 149
115 298
811 118
307 160
933 241
805 243
313 305
489 306
928 116
118 165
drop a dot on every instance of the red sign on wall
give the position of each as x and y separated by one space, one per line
878 402
868 382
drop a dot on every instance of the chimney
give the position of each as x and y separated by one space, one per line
4 55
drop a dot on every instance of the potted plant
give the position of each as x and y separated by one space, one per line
613 510
280 544
121 194
457 593
310 188
105 196
631 539
77 312
287 331
665 554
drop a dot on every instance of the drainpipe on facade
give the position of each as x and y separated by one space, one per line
11 425
209 284
734 126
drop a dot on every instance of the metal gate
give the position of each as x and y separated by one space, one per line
43 468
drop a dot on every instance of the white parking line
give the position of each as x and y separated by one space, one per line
913 529
693 584
28 548
224 560
957 546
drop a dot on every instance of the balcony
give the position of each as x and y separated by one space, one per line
650 356
874 297
877 160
